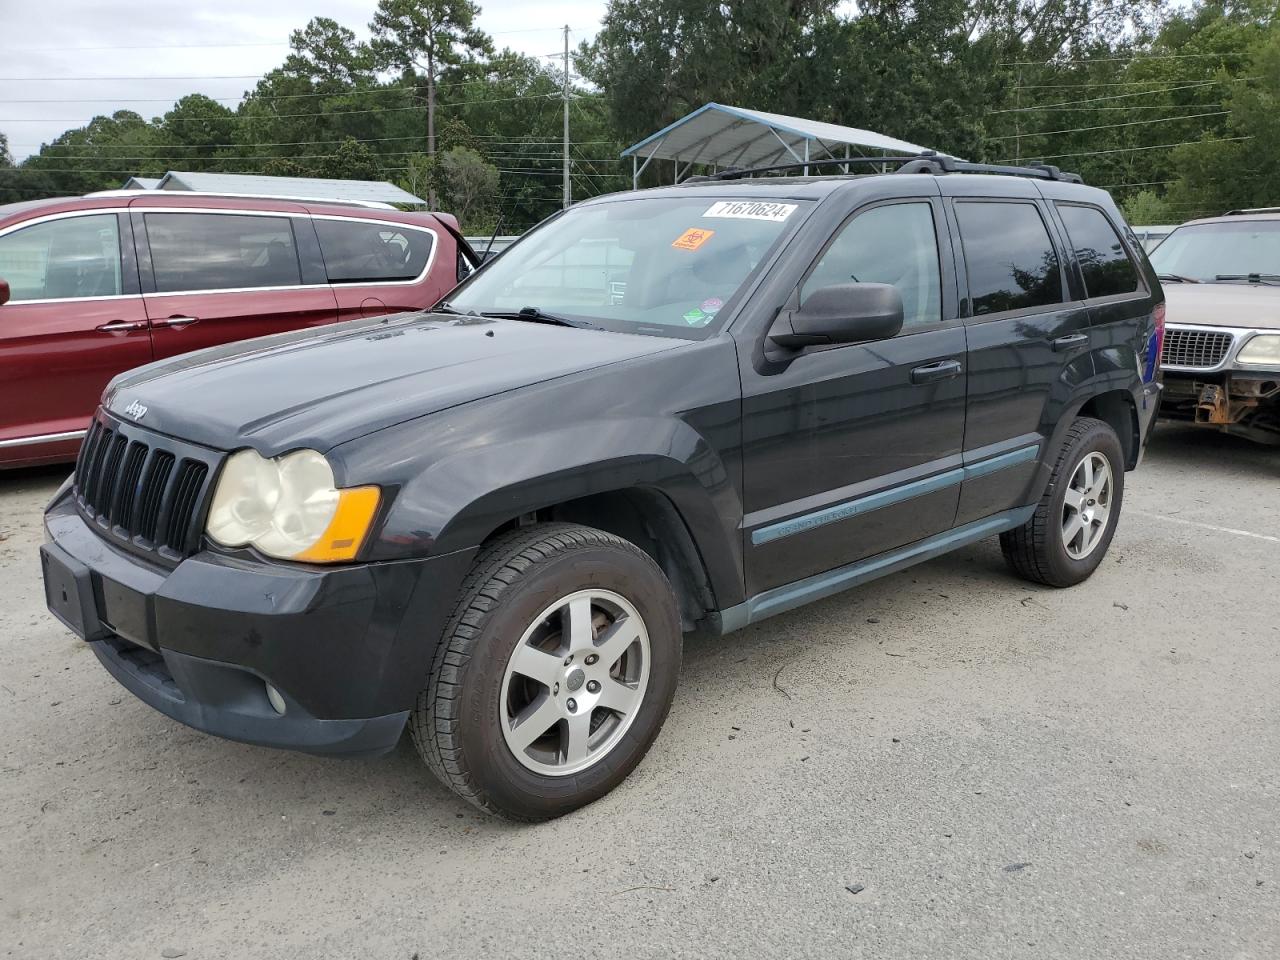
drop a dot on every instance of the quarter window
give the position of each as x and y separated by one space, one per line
894 244
1106 266
218 251
74 258
1011 261
356 251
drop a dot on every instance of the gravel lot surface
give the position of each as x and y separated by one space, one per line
998 770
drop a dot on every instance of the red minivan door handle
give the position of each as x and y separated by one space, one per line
123 326
179 321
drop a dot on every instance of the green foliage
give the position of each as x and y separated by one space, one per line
1146 208
1172 107
467 185
427 34
1242 167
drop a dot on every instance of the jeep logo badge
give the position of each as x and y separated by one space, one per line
135 410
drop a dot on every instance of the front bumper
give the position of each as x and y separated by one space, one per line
1240 401
347 648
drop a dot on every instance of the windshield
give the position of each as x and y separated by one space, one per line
664 267
1207 251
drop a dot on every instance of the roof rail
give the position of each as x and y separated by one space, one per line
367 204
1244 211
928 162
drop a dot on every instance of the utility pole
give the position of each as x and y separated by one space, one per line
568 188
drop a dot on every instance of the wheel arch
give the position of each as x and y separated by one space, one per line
1117 409
647 517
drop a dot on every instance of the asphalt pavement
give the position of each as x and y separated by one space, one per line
947 763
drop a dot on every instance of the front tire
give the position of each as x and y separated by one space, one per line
555 673
1068 535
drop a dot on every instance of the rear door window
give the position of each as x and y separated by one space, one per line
1011 261
220 251
356 251
1103 260
70 259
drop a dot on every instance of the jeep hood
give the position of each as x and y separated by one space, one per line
1223 304
323 386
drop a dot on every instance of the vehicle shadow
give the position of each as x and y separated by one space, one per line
1212 451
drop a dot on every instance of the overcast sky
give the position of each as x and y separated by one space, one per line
65 51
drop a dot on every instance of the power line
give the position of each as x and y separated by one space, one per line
1138 58
1130 106
1111 126
1157 146
162 46
295 116
261 98
1122 96
1143 183
230 76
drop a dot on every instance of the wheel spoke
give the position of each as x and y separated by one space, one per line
533 723
1086 473
1074 499
536 665
618 696
1086 539
576 623
576 737
1071 529
1101 513
615 641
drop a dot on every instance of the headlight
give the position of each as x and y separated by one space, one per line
1262 349
289 508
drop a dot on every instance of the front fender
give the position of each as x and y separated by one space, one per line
459 475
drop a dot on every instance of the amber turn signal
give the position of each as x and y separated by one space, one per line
346 532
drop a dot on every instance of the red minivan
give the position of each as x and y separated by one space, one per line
97 285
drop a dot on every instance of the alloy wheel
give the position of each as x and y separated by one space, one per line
575 682
1086 506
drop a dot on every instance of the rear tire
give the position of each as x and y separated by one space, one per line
1071 529
555 673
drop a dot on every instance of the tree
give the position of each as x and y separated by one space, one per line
1239 167
1146 208
468 185
427 36
328 54
5 159
193 133
659 59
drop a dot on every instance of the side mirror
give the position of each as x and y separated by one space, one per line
841 313
4 292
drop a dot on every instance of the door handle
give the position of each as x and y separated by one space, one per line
942 370
123 326
1071 341
179 321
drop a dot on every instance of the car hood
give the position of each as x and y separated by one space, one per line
320 387
1223 304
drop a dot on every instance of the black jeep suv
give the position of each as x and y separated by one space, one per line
687 408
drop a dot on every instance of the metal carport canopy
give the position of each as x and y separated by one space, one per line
717 135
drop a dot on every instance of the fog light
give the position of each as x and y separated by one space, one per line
276 701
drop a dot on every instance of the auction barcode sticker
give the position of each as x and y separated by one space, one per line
751 210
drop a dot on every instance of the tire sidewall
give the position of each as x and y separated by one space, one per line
1099 439
505 782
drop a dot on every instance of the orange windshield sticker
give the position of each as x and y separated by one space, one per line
693 238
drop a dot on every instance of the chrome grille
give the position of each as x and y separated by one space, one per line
1201 349
146 492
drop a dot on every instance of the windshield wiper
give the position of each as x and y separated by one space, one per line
537 315
1251 277
1177 278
